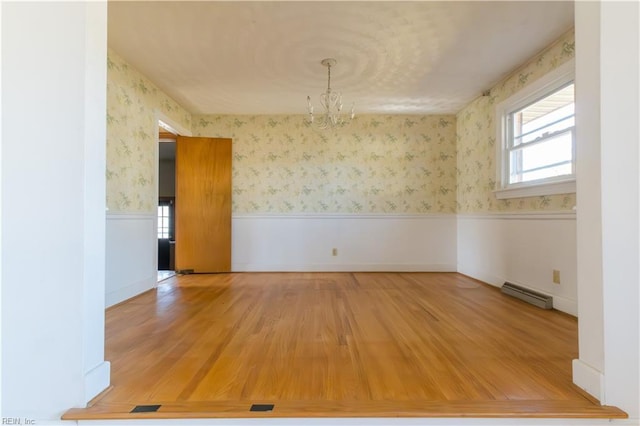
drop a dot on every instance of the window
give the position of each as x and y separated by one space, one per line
165 219
537 138
166 215
540 138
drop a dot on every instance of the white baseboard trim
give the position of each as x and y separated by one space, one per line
588 378
96 380
131 290
329 267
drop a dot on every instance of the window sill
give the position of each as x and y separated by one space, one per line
537 189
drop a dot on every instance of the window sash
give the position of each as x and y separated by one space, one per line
516 170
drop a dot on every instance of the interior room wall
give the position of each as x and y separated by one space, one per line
133 103
53 210
607 86
587 370
376 164
476 131
400 168
407 168
381 190
133 107
620 200
519 240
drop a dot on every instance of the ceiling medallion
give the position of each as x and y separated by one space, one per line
331 102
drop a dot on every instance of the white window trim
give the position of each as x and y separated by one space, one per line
553 80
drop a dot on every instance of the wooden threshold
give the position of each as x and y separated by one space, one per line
339 409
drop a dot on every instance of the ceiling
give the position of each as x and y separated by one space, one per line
417 57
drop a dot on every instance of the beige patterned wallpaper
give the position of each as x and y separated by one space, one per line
377 164
476 139
131 140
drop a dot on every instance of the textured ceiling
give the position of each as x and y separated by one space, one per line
420 57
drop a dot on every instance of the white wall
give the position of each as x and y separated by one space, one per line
53 180
364 242
607 57
1 209
290 243
620 165
523 249
131 247
586 372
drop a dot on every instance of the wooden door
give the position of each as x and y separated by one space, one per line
203 204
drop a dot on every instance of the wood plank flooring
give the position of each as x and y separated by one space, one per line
338 345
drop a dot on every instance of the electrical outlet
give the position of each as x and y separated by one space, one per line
334 252
556 276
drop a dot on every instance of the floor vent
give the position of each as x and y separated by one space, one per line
540 300
145 408
261 407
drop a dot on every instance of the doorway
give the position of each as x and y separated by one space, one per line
166 202
194 172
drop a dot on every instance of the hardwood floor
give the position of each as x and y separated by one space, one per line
338 345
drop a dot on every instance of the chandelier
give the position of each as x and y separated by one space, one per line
331 102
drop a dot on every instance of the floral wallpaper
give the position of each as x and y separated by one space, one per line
376 164
476 139
131 140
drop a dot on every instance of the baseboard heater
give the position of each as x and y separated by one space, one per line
540 300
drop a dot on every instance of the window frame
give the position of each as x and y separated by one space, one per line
551 82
